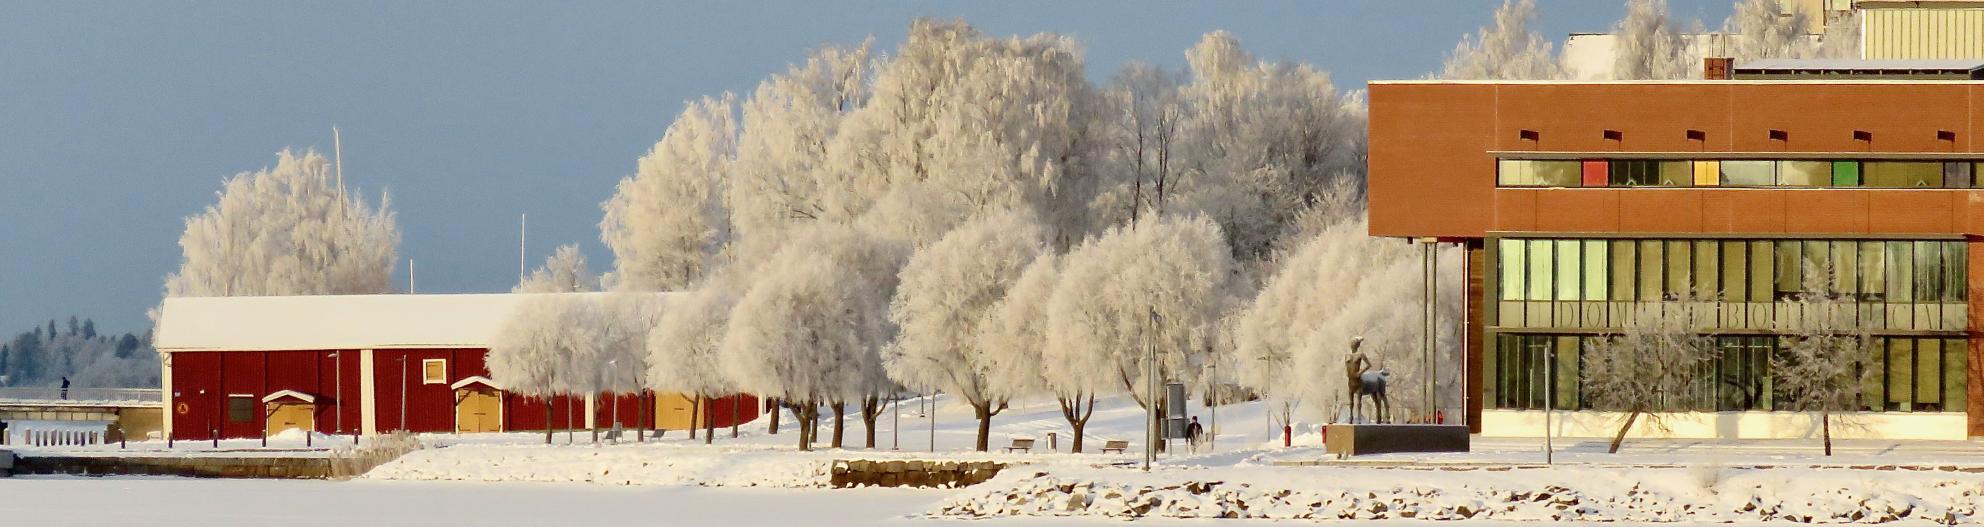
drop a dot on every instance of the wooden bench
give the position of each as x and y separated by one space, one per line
1114 444
1021 444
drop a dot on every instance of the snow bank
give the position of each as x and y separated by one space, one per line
1578 494
614 465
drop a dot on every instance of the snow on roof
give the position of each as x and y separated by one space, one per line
1859 65
293 394
269 323
474 379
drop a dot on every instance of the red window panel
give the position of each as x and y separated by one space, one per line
1596 172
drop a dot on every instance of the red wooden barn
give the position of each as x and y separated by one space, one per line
242 367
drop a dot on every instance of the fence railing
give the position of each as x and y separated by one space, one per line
102 395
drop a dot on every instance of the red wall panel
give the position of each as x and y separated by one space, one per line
196 398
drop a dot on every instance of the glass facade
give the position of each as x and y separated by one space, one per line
1553 295
1911 374
1917 285
1780 173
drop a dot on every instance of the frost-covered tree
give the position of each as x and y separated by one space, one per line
1823 366
1649 366
1291 344
684 345
780 178
947 297
287 230
1509 49
1016 327
988 124
1147 114
668 221
1762 29
1161 282
1650 45
534 352
1265 144
810 328
551 344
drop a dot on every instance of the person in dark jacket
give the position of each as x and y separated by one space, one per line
65 388
1193 432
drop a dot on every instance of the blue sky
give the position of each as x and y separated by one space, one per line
119 119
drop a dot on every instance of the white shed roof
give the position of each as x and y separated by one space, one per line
269 323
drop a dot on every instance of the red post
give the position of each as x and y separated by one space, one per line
1287 436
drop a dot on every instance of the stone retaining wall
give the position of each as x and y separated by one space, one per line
950 474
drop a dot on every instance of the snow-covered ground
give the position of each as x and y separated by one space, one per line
515 479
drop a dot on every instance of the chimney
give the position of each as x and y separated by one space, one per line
1718 68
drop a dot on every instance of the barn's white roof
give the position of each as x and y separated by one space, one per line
268 323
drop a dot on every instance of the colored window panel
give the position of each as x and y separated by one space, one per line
1959 174
1596 172
1708 173
1846 173
1902 174
1804 173
1594 269
1536 173
1749 173
1567 270
1513 286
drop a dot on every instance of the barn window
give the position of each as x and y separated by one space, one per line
434 371
240 408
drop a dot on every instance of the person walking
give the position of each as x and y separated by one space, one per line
1193 432
65 388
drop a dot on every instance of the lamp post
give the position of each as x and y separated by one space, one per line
1150 382
337 367
615 396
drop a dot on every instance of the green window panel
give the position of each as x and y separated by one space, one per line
1846 173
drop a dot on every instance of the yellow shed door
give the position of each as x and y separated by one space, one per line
479 411
285 416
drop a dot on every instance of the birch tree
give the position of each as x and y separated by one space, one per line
551 343
809 330
947 297
683 348
1763 29
1161 283
668 221
287 230
1016 329
781 178
1651 45
1506 50
1650 366
1824 364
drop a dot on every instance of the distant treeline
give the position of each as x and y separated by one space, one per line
47 354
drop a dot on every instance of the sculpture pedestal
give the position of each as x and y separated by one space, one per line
1347 440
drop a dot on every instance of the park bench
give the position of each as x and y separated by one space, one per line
1019 444
1115 444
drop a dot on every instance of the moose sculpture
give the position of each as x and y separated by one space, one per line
1364 382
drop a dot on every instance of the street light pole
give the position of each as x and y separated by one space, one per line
1150 385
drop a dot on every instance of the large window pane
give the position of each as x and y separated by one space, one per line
1900 370
1790 268
1873 277
1651 267
1595 266
1708 269
1846 173
1958 174
1677 173
1513 173
1643 173
1749 173
1679 267
1804 173
1762 262
1624 270
1901 272
1902 174
1846 267
1568 273
1537 172
1540 259
1928 375
1566 374
1735 266
1708 173
1513 269
1955 285
1928 271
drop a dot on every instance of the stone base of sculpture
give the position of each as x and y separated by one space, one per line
1347 440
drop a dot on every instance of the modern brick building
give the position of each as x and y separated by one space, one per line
1577 200
242 367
